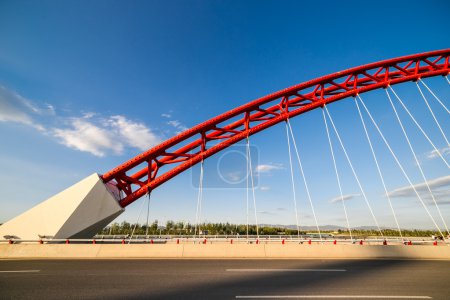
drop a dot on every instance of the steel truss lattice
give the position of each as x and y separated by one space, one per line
148 170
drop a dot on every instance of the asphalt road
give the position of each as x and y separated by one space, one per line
224 279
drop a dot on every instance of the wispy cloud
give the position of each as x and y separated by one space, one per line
167 116
435 154
18 109
440 188
91 132
344 198
85 136
100 136
180 127
264 188
134 134
267 168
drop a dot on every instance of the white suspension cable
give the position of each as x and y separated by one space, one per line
199 200
417 161
354 172
253 184
436 97
292 180
137 222
432 113
378 166
446 77
148 212
247 189
420 128
337 174
304 178
401 167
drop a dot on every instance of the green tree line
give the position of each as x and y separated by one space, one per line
182 228
185 228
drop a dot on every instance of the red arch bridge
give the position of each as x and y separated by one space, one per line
83 209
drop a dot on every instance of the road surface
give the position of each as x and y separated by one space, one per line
224 279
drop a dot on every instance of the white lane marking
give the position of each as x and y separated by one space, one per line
286 270
333 296
21 271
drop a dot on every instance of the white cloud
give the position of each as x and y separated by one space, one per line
89 133
51 109
177 125
134 134
267 168
85 136
102 136
420 187
440 188
265 188
344 198
435 154
16 108
174 123
88 115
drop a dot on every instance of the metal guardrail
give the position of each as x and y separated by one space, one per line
230 239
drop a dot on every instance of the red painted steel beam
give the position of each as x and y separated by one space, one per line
159 164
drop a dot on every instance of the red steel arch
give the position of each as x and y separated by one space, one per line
150 169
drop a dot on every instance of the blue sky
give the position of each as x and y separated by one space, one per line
86 85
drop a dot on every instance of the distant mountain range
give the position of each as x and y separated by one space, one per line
324 227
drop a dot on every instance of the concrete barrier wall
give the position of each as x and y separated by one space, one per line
74 251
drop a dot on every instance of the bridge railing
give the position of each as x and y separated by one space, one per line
231 239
